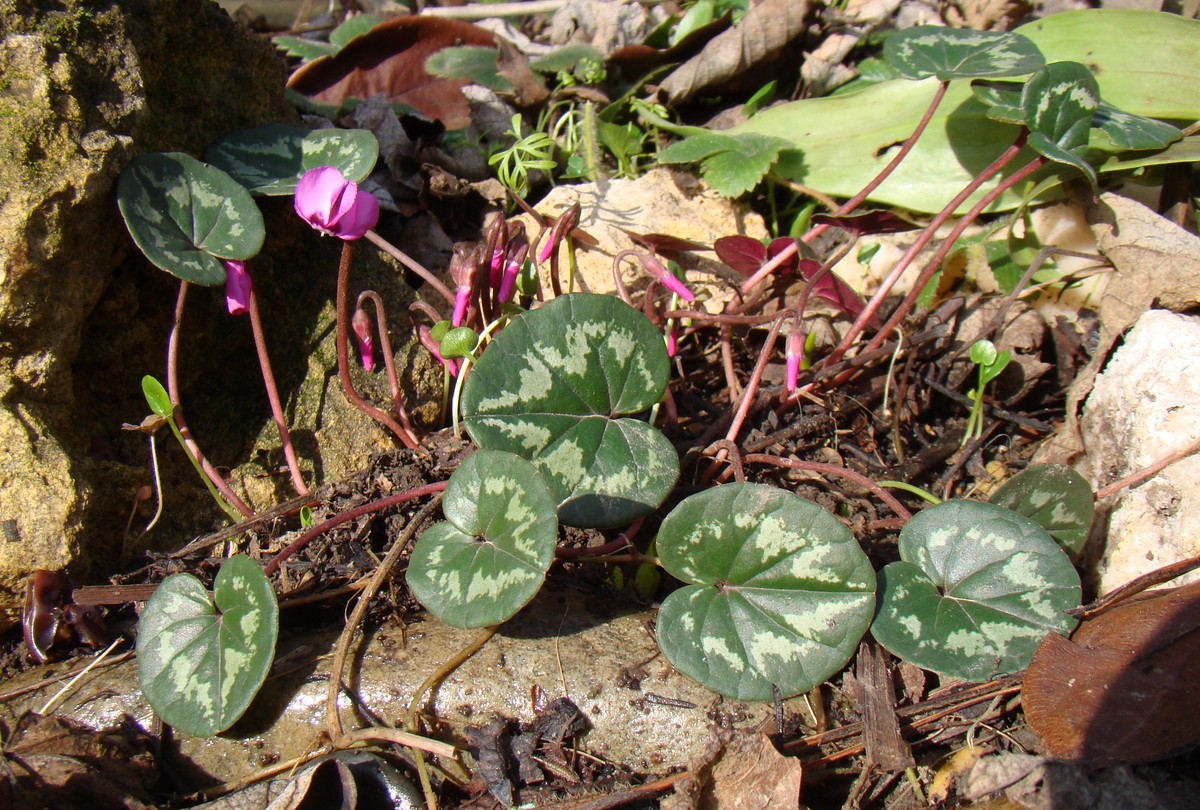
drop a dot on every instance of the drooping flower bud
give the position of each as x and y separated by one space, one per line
665 277
364 336
237 287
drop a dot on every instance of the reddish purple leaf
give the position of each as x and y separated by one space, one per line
836 291
872 222
664 243
742 253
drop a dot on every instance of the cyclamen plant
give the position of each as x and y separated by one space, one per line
561 400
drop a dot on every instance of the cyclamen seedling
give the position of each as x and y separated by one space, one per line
991 363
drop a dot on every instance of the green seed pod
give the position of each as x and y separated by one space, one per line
458 342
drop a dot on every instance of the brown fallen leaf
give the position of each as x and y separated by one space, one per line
390 59
1126 687
748 773
762 33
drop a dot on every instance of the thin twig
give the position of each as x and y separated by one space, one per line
412 264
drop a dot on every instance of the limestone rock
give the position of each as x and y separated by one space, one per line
1146 405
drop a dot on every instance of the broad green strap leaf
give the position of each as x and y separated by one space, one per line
1056 498
186 216
201 657
780 592
491 556
978 588
557 386
1146 63
959 53
270 160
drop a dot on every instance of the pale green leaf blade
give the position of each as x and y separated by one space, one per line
472 63
959 53
491 556
782 592
1136 132
977 590
1055 497
201 658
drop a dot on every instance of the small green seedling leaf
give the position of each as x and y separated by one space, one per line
458 342
490 556
990 360
1056 498
979 586
270 160
779 592
187 216
559 386
473 63
202 657
732 164
157 397
959 53
1059 102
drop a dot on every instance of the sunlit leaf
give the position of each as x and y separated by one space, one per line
978 588
491 555
560 386
779 592
959 53
202 657
270 160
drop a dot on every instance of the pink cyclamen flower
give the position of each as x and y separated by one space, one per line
361 325
794 353
237 287
666 278
334 205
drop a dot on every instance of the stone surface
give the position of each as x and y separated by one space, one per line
659 202
597 651
1146 405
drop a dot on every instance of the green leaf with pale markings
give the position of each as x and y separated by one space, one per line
202 657
959 53
1056 498
187 216
779 592
472 63
1003 100
978 588
1059 102
560 386
270 160
1128 131
491 555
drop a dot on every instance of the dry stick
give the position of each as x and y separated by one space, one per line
264 362
877 299
333 721
173 393
350 514
830 469
398 737
389 362
412 264
1147 472
343 353
1156 577
854 201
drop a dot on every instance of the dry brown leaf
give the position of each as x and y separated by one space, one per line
763 33
390 59
1125 688
752 774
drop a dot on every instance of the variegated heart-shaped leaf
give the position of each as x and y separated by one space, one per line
559 386
270 160
779 592
187 216
1128 131
978 588
959 53
1053 496
1059 102
491 555
202 657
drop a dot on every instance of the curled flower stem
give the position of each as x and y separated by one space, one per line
412 264
389 362
264 362
232 501
343 353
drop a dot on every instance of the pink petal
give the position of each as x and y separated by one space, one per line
364 215
795 349
316 194
361 325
